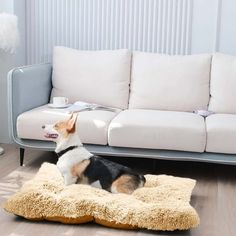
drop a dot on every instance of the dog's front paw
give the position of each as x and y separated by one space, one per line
69 179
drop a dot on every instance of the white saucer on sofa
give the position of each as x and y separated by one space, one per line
51 105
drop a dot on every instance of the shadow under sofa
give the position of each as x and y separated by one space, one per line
29 91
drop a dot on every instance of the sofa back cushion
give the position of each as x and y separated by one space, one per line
223 84
176 83
100 77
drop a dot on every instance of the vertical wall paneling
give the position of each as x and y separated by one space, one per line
149 25
217 25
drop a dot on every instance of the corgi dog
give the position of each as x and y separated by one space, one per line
78 165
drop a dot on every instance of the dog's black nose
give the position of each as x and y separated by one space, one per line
43 127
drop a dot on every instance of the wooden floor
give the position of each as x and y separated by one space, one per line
214 196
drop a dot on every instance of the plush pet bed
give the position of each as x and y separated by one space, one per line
163 204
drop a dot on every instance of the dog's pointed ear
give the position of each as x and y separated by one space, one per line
71 123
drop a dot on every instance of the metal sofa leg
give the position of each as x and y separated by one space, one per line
22 153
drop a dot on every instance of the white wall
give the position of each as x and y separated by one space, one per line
6 5
6 62
9 61
19 10
214 27
227 34
204 26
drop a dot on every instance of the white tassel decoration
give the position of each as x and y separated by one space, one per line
9 34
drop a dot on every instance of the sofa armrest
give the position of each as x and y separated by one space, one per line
28 87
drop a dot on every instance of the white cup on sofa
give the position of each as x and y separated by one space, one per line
60 102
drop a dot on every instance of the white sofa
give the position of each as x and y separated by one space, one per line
155 97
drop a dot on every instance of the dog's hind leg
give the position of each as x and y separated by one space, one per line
126 184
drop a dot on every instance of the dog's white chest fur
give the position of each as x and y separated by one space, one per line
68 160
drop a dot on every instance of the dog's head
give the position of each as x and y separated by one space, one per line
61 129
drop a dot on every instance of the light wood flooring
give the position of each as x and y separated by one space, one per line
214 196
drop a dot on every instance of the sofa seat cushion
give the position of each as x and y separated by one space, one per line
158 130
91 125
223 84
174 83
221 133
100 77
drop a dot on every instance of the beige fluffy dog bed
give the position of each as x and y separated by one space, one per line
163 204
